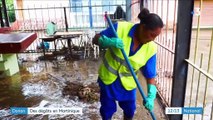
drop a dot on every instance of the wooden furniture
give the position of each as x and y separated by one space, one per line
69 36
49 39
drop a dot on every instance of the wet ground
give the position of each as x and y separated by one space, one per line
59 84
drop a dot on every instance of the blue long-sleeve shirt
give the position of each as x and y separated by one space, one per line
116 90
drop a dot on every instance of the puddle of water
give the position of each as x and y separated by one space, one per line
4 112
35 86
53 98
41 84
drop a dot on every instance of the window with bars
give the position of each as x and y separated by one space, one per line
76 5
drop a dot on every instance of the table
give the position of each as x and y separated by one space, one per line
68 36
70 33
49 39
10 44
62 35
16 42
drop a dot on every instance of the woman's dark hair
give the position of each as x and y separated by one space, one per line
150 20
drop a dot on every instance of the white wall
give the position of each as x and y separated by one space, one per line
79 19
45 3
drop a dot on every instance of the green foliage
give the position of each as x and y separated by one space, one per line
11 13
10 10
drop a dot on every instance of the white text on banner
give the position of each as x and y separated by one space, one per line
38 110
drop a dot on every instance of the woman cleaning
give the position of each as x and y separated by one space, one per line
115 80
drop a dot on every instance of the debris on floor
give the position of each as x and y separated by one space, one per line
58 84
85 93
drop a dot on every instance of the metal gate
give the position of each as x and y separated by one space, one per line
185 69
167 10
85 17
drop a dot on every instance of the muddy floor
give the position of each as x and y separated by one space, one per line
59 84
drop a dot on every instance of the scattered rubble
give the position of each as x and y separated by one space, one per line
85 93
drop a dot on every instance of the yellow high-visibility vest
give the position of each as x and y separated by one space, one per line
114 64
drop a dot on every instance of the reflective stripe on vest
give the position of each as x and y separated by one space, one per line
115 71
114 64
123 62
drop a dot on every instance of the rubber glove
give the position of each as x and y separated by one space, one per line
105 42
152 91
